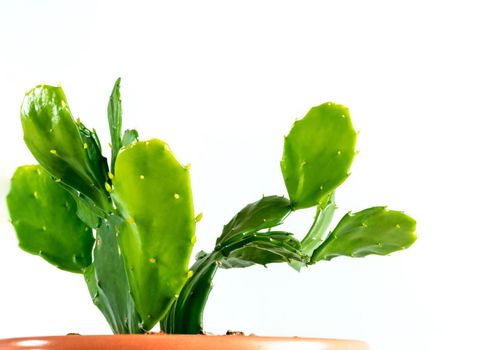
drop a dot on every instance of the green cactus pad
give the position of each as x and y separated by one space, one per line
267 212
45 220
371 231
108 283
263 248
153 193
67 150
318 153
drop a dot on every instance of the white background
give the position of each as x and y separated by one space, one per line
222 82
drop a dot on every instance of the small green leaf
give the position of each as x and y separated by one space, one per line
265 213
115 122
86 214
92 146
130 136
262 248
108 283
371 231
45 220
317 154
152 192
87 210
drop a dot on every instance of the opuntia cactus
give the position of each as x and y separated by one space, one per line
142 210
130 227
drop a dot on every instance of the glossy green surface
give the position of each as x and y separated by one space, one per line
318 153
107 281
186 313
152 192
267 212
115 122
45 220
318 231
65 148
374 230
130 136
262 248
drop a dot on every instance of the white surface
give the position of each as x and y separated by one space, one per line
222 83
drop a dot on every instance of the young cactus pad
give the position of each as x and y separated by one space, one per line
129 226
65 148
153 194
44 217
317 154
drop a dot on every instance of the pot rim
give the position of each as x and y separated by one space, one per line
179 341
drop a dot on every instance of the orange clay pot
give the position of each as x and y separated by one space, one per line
177 342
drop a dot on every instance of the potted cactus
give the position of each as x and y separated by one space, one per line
128 225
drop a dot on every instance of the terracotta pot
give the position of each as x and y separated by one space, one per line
177 342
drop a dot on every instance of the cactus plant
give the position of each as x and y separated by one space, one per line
129 226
